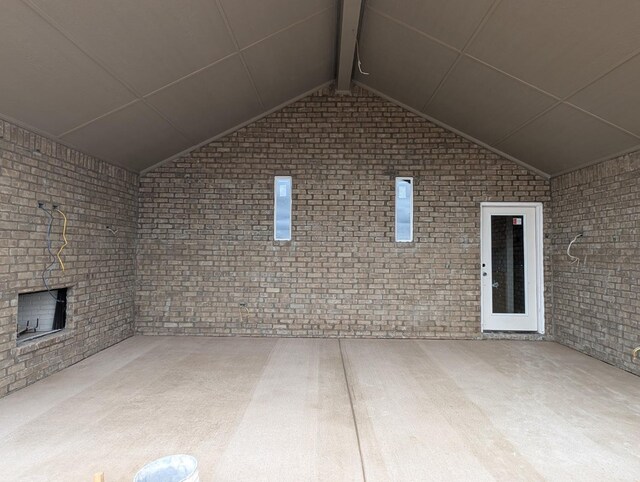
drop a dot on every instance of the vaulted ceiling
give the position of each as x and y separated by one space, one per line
550 83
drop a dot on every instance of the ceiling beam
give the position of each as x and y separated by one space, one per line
349 23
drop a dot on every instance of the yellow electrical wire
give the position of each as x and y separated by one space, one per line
64 232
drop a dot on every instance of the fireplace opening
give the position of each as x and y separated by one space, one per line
41 313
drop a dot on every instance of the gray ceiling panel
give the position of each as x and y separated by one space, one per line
253 20
134 137
566 138
615 97
559 46
401 63
451 21
294 61
146 43
210 101
484 103
45 81
96 73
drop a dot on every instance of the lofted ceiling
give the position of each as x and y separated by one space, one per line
552 84
135 82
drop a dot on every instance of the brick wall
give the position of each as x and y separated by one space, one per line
206 227
597 302
100 267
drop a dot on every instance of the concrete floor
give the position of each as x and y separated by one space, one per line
281 409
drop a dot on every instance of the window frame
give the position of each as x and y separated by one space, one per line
396 184
276 179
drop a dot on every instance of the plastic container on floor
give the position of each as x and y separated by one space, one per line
173 468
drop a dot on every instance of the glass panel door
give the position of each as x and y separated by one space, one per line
509 271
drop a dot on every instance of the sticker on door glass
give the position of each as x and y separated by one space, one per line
517 221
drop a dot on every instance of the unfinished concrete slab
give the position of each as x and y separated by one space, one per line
320 409
279 406
499 410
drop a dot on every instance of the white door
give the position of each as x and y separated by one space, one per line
510 270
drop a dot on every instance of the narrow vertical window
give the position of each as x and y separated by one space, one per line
404 209
282 208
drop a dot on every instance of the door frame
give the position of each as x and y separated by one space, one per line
539 249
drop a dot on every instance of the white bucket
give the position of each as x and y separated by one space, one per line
173 468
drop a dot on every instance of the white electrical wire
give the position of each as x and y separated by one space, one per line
358 58
574 259
244 309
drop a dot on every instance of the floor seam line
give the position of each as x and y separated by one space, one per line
353 411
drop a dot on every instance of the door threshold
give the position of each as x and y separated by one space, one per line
515 335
